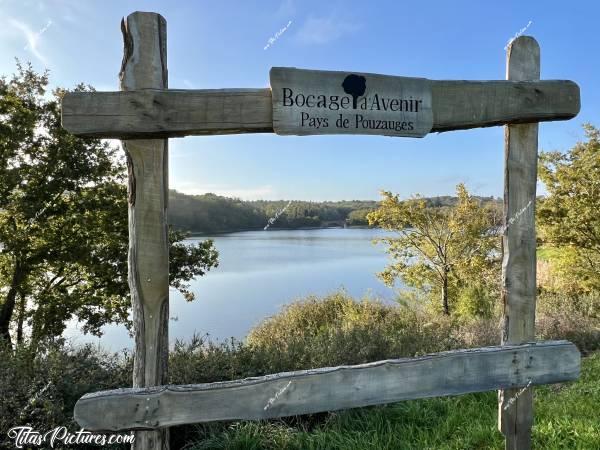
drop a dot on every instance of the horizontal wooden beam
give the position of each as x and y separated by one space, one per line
459 105
153 113
334 388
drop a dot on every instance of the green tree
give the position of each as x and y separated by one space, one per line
63 220
568 217
358 217
441 249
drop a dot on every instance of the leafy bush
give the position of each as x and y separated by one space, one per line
40 389
336 329
475 301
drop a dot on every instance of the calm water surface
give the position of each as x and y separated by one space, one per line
259 272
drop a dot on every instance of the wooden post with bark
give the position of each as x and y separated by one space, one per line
145 67
515 411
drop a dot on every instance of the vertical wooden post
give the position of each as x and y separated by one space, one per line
519 246
145 67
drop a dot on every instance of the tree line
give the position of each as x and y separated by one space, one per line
210 213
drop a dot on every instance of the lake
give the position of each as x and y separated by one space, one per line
259 272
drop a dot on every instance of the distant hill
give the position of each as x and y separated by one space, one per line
210 213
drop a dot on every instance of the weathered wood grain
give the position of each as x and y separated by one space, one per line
145 66
519 243
327 389
169 113
459 105
152 113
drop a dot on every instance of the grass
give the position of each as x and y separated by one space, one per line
566 417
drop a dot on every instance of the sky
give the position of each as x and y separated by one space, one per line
221 44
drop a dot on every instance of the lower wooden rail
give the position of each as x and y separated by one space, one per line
332 388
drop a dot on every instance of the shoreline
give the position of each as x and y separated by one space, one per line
272 228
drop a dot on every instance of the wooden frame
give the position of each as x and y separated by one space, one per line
152 113
146 113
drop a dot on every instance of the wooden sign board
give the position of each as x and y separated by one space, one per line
323 102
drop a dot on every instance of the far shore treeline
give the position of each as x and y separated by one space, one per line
210 213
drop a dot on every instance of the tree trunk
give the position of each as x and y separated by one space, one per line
445 293
37 331
21 317
8 307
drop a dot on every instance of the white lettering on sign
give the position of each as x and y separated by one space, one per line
322 102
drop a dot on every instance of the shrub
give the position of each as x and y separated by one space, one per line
203 361
336 329
40 389
475 302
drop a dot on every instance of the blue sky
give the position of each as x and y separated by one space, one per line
221 44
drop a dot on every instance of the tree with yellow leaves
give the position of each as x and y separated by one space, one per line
445 250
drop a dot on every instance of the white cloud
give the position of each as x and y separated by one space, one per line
32 38
322 30
253 193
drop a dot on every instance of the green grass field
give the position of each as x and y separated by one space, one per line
566 417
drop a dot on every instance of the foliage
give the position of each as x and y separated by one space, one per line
210 213
568 217
188 261
333 330
39 388
476 300
443 249
63 220
358 217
